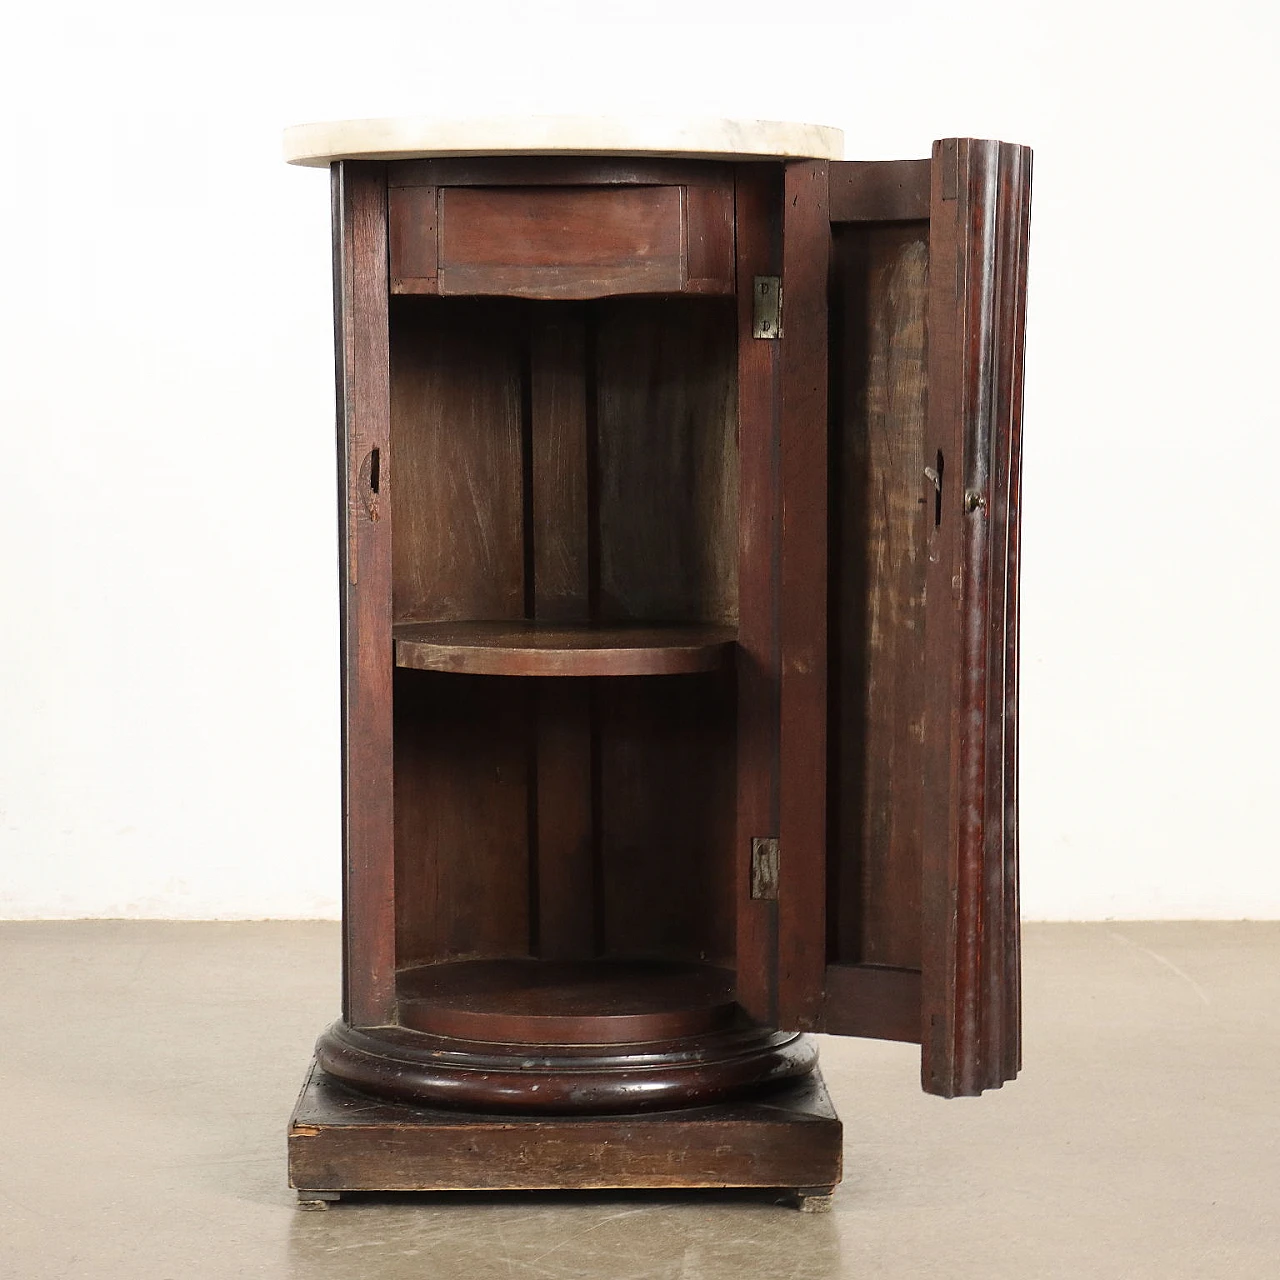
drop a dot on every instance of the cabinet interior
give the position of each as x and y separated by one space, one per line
571 466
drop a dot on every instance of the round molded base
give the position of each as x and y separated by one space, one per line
436 1070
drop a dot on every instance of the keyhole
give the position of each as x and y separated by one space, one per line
368 482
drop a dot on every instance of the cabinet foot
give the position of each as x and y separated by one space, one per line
317 1199
813 1199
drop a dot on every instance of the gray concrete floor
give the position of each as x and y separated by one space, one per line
147 1070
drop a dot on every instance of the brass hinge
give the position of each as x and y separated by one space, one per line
764 867
766 293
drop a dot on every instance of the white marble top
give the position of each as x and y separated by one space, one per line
410 137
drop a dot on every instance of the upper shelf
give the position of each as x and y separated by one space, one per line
414 137
554 649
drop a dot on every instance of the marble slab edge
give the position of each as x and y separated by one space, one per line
415 137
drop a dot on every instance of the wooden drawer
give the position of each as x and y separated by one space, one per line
561 239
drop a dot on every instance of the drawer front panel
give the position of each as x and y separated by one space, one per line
562 241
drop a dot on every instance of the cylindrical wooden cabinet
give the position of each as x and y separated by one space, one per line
679 558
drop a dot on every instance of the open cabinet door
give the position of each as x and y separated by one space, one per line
924 314
979 214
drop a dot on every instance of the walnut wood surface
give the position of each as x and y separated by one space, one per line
883 512
537 447
924 940
978 231
802 825
543 1002
457 487
564 828
665 773
653 1075
557 171
624 487
557 649
462 796
411 226
758 201
340 1140
364 436
559 452
560 488
666 459
876 1001
567 229
561 242
880 191
462 750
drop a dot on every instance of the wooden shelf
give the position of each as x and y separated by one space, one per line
566 1002
547 649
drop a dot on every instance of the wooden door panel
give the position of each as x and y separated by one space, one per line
979 216
882 513
926 314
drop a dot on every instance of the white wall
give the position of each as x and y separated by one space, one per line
168 729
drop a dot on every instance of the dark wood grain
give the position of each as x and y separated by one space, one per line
558 649
411 228
561 227
456 451
1002 967
666 459
873 1001
709 237
564 829
462 778
562 242
883 510
558 171
364 438
463 749
1017 164
549 881
941 944
977 246
880 191
559 448
547 1002
489 1076
806 238
758 204
344 1141
559 464
665 772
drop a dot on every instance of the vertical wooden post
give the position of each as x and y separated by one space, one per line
559 527
979 209
364 478
802 874
758 200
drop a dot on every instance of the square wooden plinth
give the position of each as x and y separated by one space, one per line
343 1141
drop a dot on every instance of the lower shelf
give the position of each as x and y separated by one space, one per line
554 649
541 1002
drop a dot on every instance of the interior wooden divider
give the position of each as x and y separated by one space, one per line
563 831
